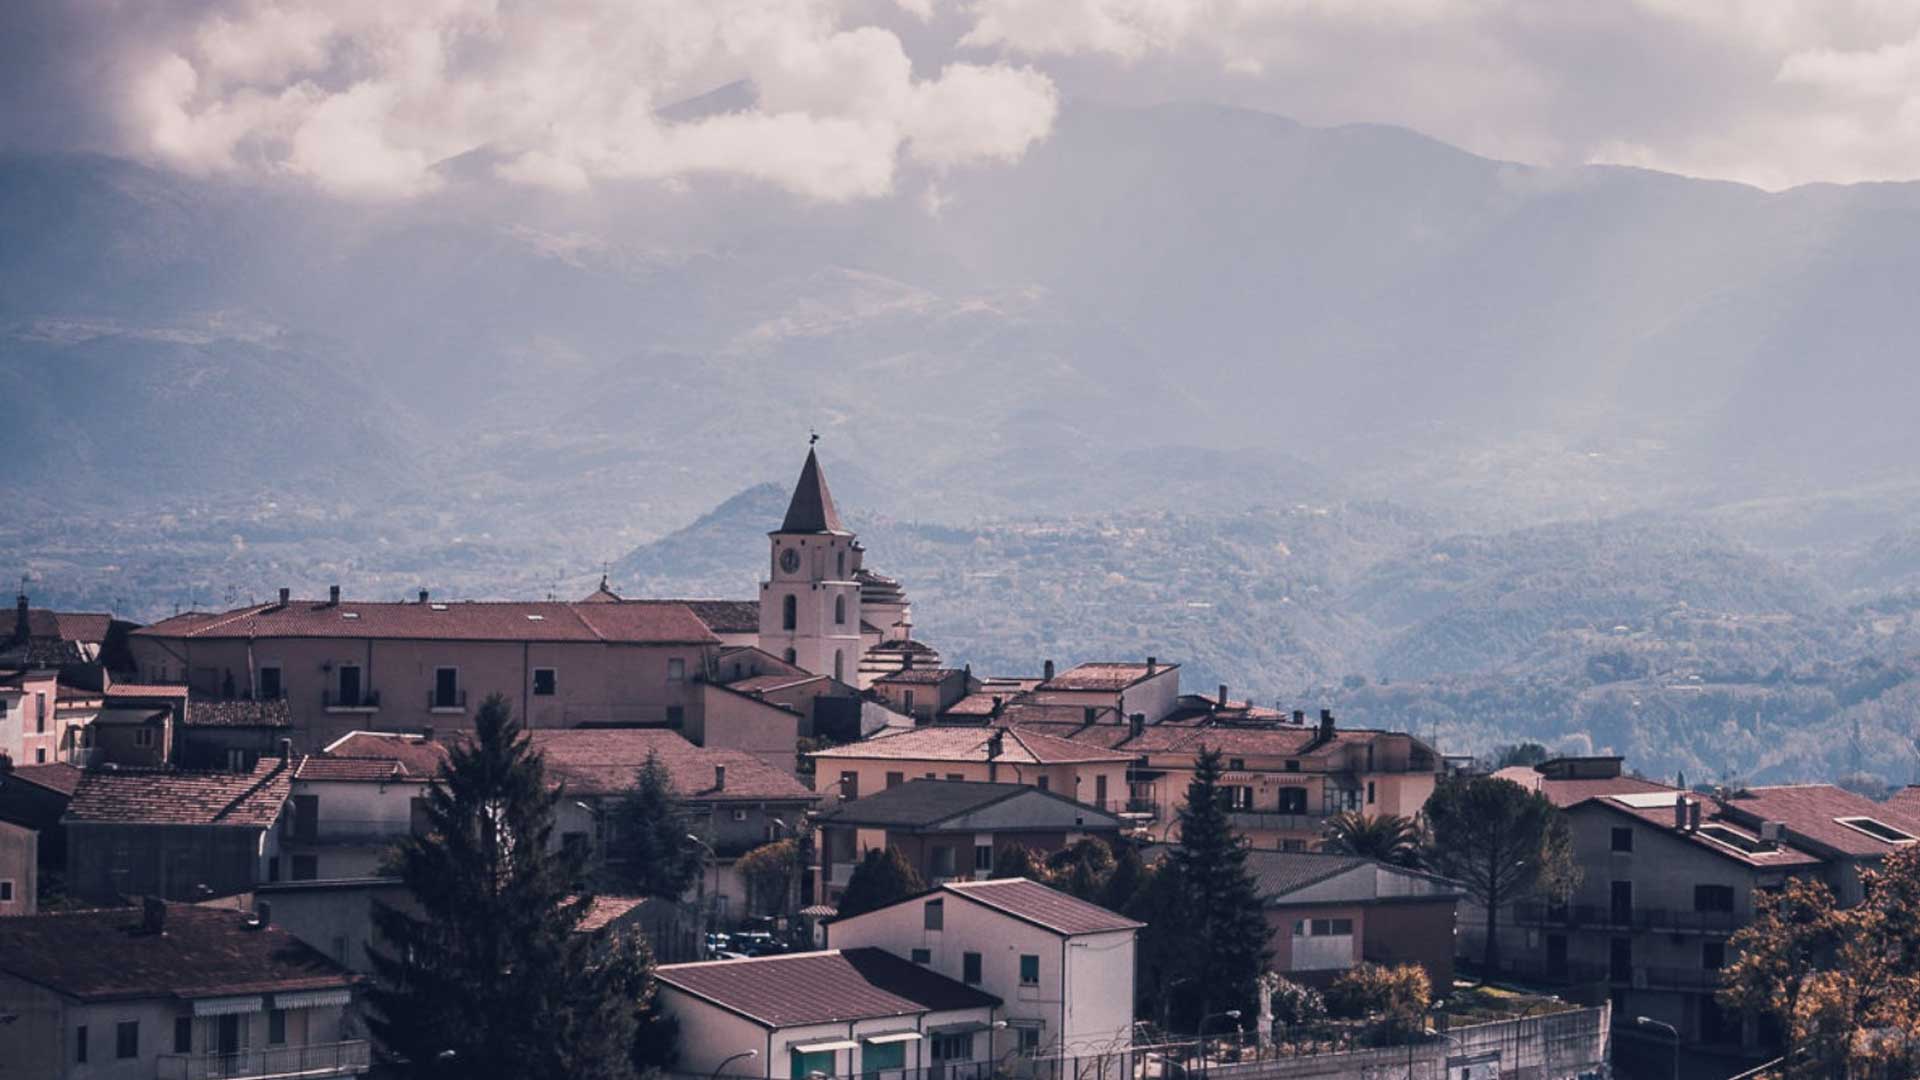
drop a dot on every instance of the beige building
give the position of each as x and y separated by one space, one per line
1086 774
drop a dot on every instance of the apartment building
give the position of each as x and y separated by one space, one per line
1090 774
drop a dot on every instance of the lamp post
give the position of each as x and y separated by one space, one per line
1231 1014
713 898
730 1060
1649 1021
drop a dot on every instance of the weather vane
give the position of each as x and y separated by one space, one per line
812 436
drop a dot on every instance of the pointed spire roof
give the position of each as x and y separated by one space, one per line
812 509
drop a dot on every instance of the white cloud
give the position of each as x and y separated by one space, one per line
363 98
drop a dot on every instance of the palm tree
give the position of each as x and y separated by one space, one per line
1389 838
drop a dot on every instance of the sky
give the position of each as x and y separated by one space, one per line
364 99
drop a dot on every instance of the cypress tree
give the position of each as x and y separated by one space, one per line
655 856
1227 927
486 975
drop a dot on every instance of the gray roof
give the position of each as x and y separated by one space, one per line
812 509
1312 877
957 804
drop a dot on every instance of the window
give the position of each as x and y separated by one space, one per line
970 968
1322 927
983 857
805 1065
270 684
839 666
126 1039
1879 830
791 656
6 891
80 1044
1236 796
1238 764
1713 955
446 688
1100 790
840 564
306 818
936 914
1293 800
1293 845
922 956
849 785
676 715
906 700
676 670
1029 1041
955 776
545 681
40 756
887 1055
1622 838
1713 898
277 1027
957 1047
1369 793
840 611
1041 782
183 1035
40 712
350 686
143 737
1029 970
306 868
789 612
895 779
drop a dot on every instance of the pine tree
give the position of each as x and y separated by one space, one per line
1129 872
1228 926
882 877
653 855
486 975
1501 842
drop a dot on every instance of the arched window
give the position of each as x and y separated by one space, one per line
839 666
840 610
789 612
792 657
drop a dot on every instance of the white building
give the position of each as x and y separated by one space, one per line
851 1012
1063 968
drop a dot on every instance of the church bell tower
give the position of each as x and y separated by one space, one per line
810 602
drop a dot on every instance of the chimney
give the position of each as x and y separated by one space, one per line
1223 695
22 626
1046 671
153 915
1137 724
286 596
333 595
997 706
996 743
1679 813
1300 717
423 596
286 751
719 778
427 733
1326 723
1153 665
966 669
1693 815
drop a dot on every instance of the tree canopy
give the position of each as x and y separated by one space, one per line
1501 842
1389 838
1223 927
488 975
652 853
881 878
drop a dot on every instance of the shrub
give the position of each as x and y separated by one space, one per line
1296 1004
1398 997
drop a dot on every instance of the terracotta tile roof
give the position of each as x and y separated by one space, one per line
64 779
606 909
724 616
760 684
1906 800
918 676
418 755
1564 793
218 713
166 691
354 770
166 796
1048 908
602 761
204 952
1017 746
930 804
1814 812
1104 676
978 704
1728 839
547 621
828 987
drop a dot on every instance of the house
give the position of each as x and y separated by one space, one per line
30 732
230 732
952 829
175 833
1062 968
347 812
923 692
839 1012
19 869
1667 877
333 917
1090 774
35 797
170 991
1331 912
1568 780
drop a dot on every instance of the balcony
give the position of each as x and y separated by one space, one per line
455 702
365 701
1677 978
1263 821
1642 919
314 1061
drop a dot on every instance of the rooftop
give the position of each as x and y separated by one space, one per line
1106 676
1051 909
1722 837
834 986
420 755
811 510
1564 793
109 955
166 796
921 676
972 744
1828 816
61 778
356 770
933 804
603 761
545 621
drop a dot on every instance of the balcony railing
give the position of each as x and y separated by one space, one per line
1679 978
365 699
1266 820
1147 807
315 1061
1647 919
455 700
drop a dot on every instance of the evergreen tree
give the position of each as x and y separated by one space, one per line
883 877
652 852
1016 860
1129 873
1228 925
488 975
1163 945
1501 842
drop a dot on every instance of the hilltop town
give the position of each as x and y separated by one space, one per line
797 839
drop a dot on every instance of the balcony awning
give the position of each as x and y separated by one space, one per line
313 999
892 1037
228 1006
827 1047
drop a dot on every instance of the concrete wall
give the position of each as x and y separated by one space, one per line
736 721
356 822
19 868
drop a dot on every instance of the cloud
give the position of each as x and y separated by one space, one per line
364 97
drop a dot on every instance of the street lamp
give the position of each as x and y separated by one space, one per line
1671 1030
713 900
728 1061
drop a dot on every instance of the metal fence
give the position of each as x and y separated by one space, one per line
316 1060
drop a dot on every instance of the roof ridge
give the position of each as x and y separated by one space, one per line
260 780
